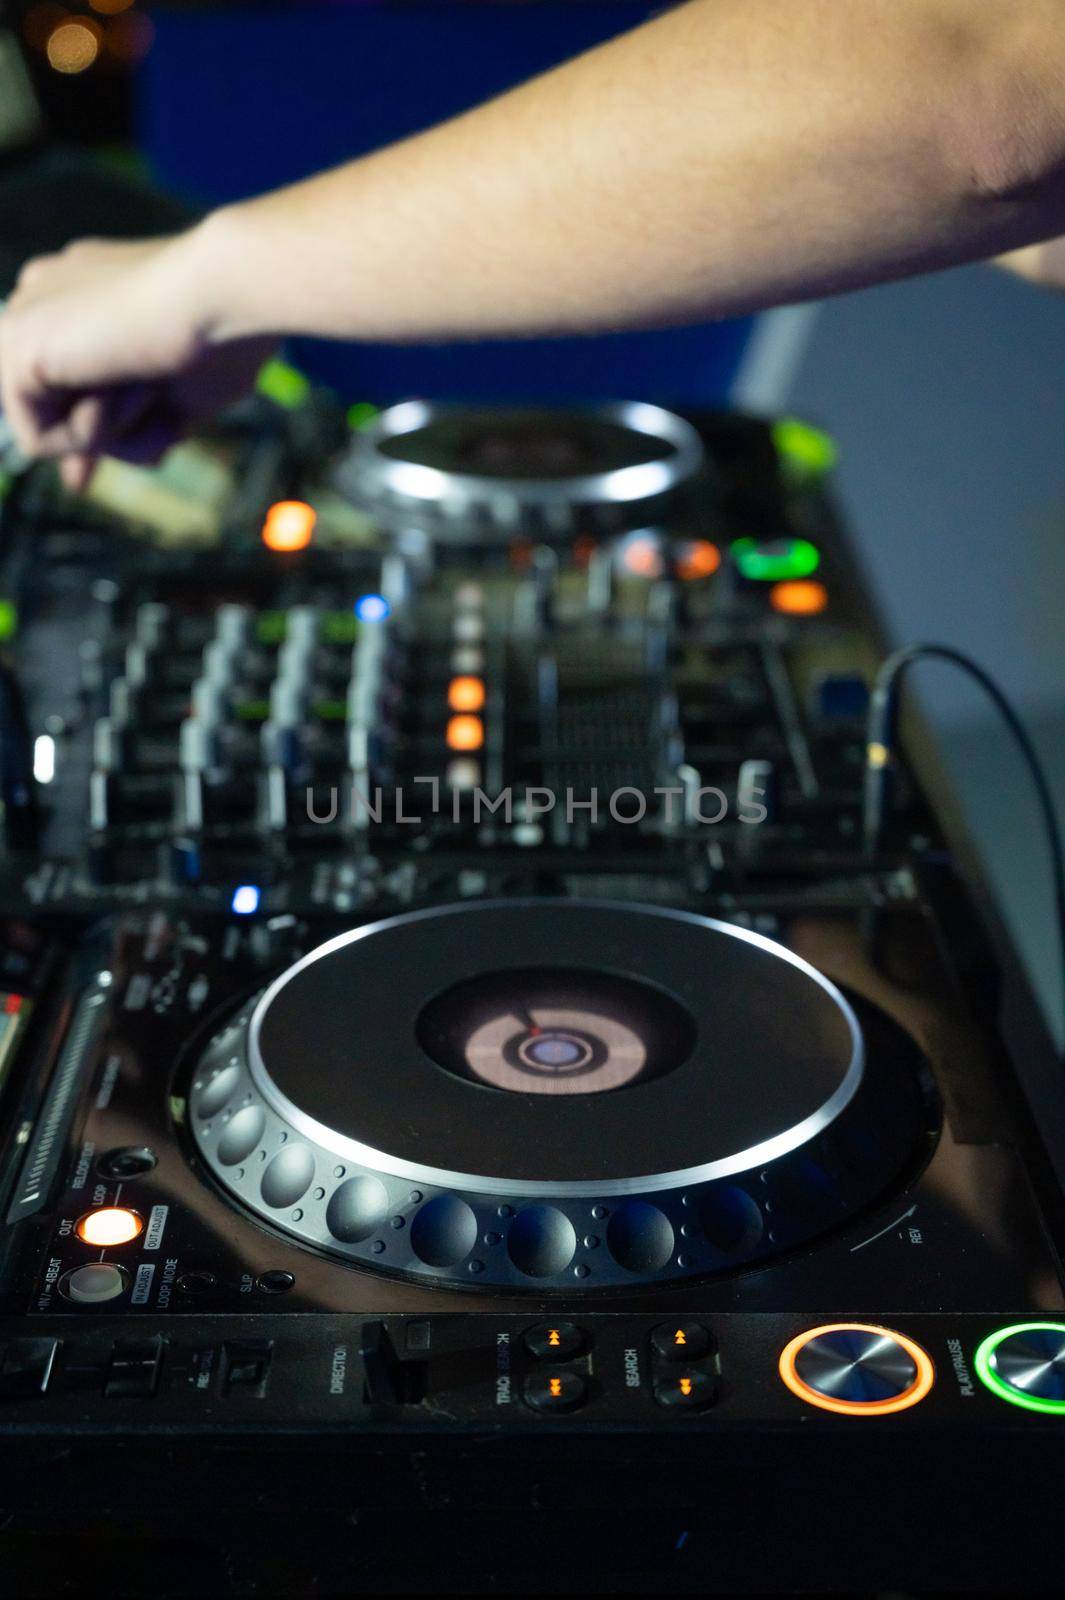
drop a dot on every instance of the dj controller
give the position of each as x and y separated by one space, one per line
477 1109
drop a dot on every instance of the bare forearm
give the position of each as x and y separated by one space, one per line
730 155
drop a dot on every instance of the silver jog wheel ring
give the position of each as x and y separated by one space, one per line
471 476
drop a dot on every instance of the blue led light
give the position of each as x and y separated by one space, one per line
246 900
372 608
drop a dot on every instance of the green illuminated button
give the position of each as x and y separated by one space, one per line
8 620
252 710
1025 1364
776 560
340 627
804 451
283 384
330 710
361 414
271 627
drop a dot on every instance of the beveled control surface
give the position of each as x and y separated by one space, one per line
856 1368
1034 1362
856 1365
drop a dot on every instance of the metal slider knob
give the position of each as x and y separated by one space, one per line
120 702
199 746
232 626
220 659
302 628
209 699
289 697
109 746
150 623
282 745
136 664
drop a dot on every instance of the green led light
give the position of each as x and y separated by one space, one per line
252 710
330 710
803 450
340 627
776 561
271 627
283 384
985 1370
361 414
8 620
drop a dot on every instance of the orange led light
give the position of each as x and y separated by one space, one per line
685 1386
679 1337
800 597
554 1337
926 1373
465 694
110 1225
700 559
642 558
465 733
289 526
555 1386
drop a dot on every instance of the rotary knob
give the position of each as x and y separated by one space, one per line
1025 1364
856 1369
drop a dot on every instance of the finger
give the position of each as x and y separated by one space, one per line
65 422
76 472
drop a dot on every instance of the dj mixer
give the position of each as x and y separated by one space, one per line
478 1109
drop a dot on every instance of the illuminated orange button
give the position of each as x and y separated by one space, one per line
642 558
799 598
465 694
700 559
465 733
289 526
110 1225
925 1373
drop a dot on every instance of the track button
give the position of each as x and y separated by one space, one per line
555 1391
681 1341
554 1341
687 1391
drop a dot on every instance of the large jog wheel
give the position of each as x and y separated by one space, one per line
551 1094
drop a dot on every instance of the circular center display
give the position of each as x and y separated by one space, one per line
548 1031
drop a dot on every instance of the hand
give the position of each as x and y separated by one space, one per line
105 349
1043 264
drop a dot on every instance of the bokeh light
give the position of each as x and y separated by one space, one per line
289 526
73 46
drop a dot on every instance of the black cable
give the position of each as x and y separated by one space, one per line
879 750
